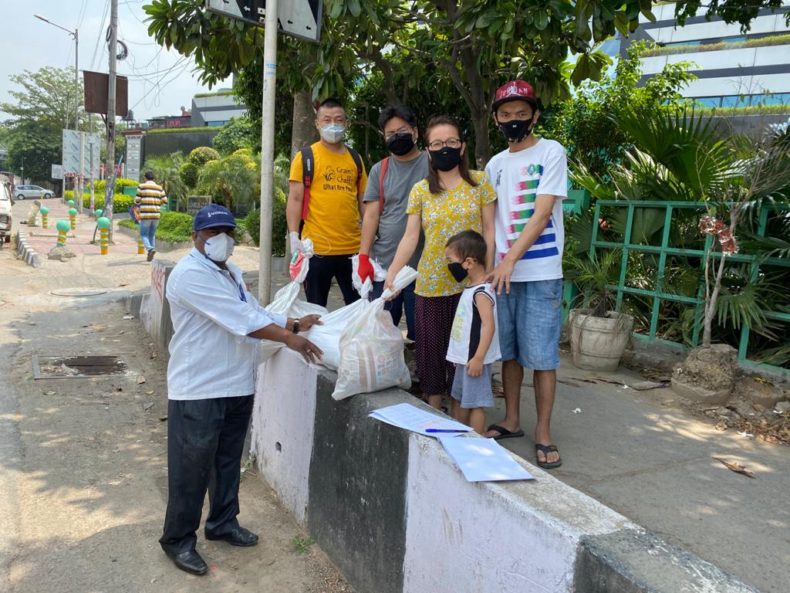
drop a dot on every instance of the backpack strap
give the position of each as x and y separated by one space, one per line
308 169
357 162
382 174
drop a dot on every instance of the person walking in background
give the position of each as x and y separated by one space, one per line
531 180
210 385
327 182
474 343
449 200
386 198
150 198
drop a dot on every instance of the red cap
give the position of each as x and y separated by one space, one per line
515 90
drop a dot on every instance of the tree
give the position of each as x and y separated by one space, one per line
239 132
166 170
473 45
232 180
43 105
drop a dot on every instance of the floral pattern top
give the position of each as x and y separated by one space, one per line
443 215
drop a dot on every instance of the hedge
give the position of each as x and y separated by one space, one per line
722 45
174 227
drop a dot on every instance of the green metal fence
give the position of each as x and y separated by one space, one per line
664 250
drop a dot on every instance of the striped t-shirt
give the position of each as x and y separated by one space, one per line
150 197
518 178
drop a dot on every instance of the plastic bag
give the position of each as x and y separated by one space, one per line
286 301
364 288
371 348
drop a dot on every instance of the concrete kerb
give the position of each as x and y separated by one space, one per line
396 516
26 252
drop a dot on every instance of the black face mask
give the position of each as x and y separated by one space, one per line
445 159
400 144
458 271
517 130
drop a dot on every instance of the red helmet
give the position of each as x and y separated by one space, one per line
515 90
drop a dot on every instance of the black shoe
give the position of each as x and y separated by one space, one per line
151 254
236 537
189 561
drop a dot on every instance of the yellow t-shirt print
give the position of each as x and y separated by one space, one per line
333 223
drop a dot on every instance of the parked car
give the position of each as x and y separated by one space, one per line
5 214
32 191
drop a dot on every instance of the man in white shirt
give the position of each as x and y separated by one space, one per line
211 383
531 180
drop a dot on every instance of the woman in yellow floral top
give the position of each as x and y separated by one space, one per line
450 200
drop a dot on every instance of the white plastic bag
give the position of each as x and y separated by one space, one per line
379 275
286 301
371 348
327 335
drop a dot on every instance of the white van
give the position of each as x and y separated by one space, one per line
5 214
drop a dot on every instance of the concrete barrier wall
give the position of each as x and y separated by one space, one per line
395 515
154 309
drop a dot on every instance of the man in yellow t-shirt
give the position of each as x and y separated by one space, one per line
331 211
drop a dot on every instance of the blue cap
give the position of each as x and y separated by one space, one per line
213 215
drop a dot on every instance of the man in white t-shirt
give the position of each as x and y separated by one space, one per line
531 180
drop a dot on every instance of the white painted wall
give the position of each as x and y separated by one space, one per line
284 413
773 23
745 85
745 57
464 537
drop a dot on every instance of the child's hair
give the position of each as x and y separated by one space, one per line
468 244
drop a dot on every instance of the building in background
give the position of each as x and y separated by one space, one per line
216 109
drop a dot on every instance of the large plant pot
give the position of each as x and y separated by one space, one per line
598 343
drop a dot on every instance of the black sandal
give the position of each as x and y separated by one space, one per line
546 449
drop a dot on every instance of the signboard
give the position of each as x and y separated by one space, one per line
195 203
97 89
57 172
298 18
71 153
134 148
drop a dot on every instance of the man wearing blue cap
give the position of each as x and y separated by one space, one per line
210 383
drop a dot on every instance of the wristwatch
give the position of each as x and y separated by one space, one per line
295 326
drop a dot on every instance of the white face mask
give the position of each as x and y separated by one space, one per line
219 248
333 133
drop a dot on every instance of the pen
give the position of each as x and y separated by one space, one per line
445 430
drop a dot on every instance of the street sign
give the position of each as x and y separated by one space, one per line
71 153
57 172
298 18
134 147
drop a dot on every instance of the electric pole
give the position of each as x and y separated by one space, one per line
110 166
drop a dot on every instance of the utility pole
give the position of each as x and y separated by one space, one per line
110 164
267 152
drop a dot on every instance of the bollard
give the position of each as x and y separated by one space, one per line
73 218
44 217
70 203
104 228
140 244
63 228
98 213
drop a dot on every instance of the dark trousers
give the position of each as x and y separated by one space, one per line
205 439
403 303
319 279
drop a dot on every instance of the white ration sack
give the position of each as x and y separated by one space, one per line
286 301
371 347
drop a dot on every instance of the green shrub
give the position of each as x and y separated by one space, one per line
175 227
120 202
252 223
100 185
202 154
188 172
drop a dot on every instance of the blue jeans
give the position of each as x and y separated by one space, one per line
148 233
403 302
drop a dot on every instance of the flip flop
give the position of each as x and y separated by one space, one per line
546 449
504 433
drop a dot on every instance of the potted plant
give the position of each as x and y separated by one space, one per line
598 334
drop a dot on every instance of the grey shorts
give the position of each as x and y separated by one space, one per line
473 392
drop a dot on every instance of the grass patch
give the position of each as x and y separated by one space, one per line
174 227
301 545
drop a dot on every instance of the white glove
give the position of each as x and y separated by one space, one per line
296 243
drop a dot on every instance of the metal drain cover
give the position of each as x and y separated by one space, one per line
70 367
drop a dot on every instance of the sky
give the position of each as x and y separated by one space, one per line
160 81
